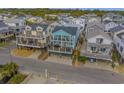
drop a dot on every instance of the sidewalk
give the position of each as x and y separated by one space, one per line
99 65
63 60
39 79
102 66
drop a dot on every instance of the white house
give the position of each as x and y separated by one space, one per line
119 43
110 25
79 21
15 25
112 17
98 44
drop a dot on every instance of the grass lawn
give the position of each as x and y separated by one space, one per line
22 52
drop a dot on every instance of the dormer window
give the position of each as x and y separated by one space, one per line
39 29
27 28
99 40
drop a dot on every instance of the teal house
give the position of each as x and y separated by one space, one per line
63 40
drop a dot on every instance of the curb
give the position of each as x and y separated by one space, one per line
27 78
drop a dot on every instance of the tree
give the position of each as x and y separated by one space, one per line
10 68
114 56
113 65
82 59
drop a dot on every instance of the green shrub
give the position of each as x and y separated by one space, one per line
17 78
82 59
8 70
114 56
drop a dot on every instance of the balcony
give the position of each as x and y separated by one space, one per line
30 44
60 49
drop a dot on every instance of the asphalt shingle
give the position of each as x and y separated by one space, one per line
68 29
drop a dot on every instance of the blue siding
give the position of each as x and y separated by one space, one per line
63 33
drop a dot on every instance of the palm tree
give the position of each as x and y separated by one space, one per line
11 68
7 71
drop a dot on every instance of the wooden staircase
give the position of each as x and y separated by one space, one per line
44 55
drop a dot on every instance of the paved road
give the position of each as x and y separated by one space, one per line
65 72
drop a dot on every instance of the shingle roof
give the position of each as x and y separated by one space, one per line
100 25
117 28
94 33
2 24
4 30
13 20
69 29
34 26
121 36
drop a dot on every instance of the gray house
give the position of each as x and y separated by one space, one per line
15 25
112 17
119 44
5 33
97 43
90 18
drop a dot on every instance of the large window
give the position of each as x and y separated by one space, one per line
93 49
55 37
103 49
17 24
99 40
121 48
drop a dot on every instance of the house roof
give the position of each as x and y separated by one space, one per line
100 25
107 22
2 27
117 28
21 15
121 36
4 30
69 29
112 15
94 33
2 24
13 20
34 26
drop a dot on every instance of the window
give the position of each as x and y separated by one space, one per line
93 49
103 49
17 24
55 37
99 40
17 30
63 38
117 44
121 48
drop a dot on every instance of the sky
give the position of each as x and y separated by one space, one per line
105 9
115 9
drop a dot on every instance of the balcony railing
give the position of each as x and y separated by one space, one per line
60 49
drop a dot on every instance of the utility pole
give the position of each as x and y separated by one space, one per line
46 73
